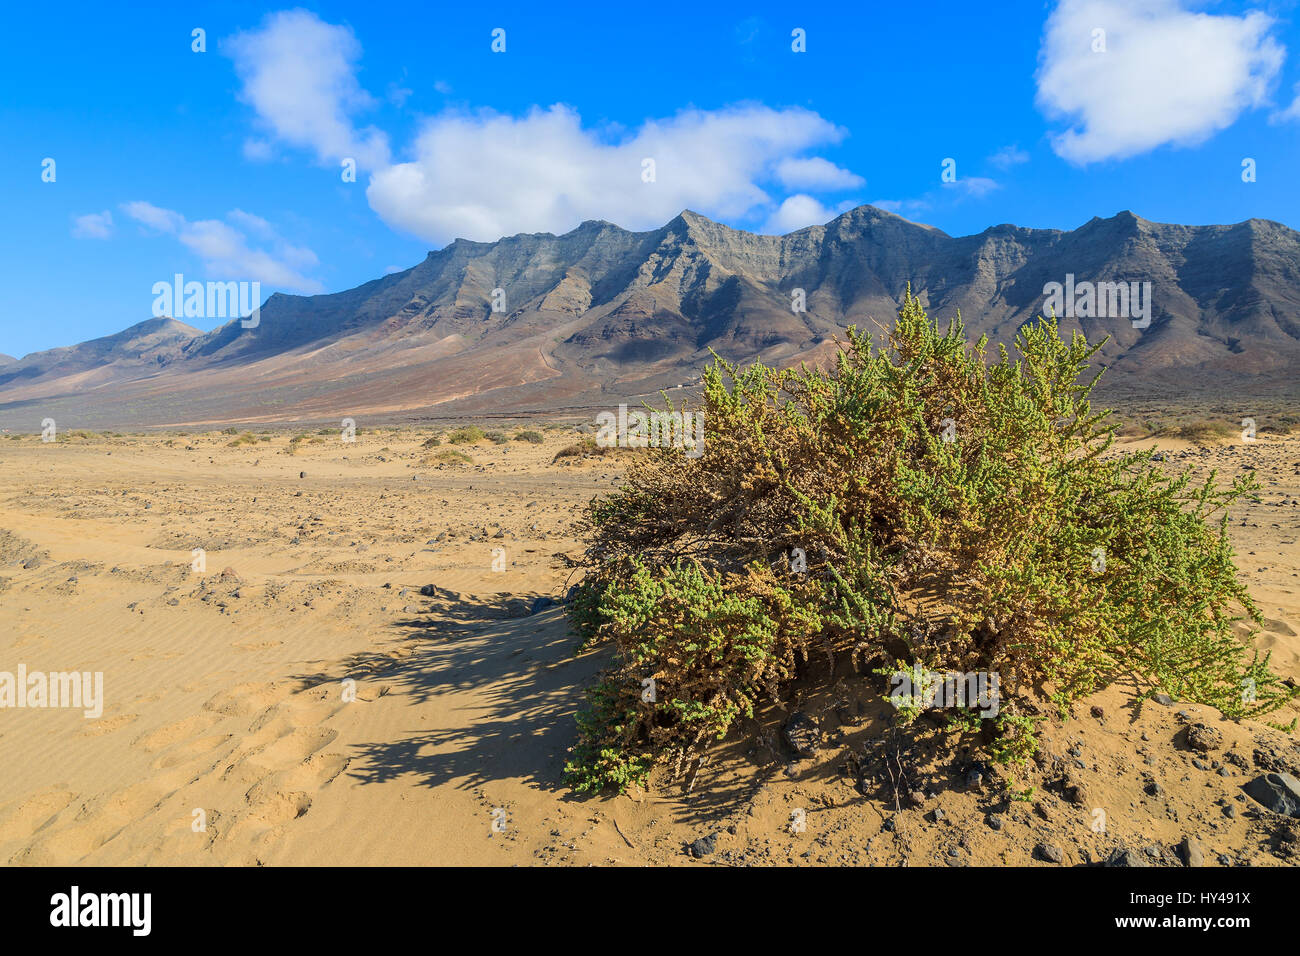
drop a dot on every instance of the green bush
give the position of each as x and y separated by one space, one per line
535 438
956 511
466 436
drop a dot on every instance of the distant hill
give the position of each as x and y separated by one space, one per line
601 315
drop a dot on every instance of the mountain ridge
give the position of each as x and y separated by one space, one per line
601 312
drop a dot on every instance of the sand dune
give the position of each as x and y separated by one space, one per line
349 680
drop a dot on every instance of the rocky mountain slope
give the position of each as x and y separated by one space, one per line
601 315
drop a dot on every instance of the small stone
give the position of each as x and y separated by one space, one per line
1049 852
704 846
1204 738
1163 699
1191 852
994 821
1097 712
1122 856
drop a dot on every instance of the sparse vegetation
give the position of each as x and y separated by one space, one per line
954 512
448 456
469 435
530 436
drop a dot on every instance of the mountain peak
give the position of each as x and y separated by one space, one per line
604 312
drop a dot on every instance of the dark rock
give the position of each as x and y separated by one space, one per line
994 821
541 604
1163 699
1204 738
704 846
1279 792
802 734
1049 852
1123 856
1097 712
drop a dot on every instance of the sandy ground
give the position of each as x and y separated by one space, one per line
301 700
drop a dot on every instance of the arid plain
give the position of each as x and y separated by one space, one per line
366 671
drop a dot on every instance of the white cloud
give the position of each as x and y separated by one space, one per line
486 175
799 211
1167 75
95 225
816 173
155 217
483 175
299 74
975 186
226 251
1009 156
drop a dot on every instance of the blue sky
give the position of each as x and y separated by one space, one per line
227 164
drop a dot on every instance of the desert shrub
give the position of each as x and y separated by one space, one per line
576 450
535 438
433 442
589 448
952 509
448 456
466 436
248 438
1205 431
497 438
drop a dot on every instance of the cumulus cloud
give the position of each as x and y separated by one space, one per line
482 175
798 211
299 75
95 225
227 252
486 175
816 173
1167 74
